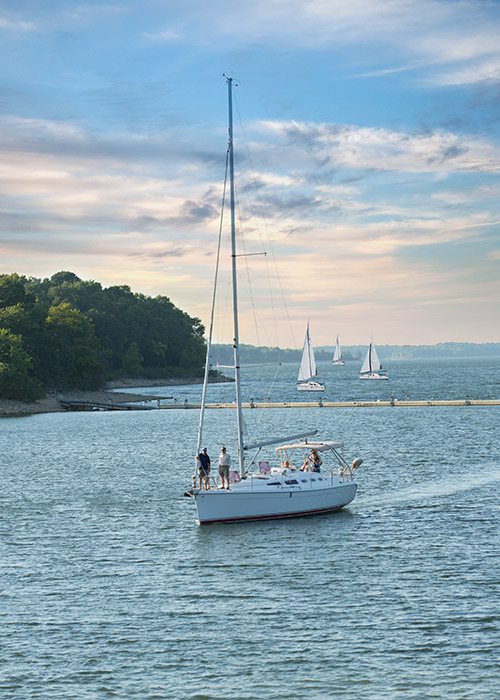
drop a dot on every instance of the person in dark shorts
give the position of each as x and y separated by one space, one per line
204 469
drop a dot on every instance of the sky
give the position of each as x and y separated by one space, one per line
367 146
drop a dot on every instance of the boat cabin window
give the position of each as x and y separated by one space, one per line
291 481
273 483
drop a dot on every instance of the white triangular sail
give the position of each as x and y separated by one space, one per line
307 367
337 355
371 362
366 366
376 366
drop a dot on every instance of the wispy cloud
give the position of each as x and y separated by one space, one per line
165 35
445 43
12 23
382 149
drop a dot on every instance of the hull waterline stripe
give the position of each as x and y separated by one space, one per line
273 516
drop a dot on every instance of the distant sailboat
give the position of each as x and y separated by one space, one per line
337 355
307 369
371 368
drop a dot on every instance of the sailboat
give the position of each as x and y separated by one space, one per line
337 354
371 367
307 369
292 482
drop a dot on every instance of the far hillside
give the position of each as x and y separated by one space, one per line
253 354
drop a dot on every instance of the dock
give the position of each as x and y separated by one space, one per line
110 401
103 406
393 403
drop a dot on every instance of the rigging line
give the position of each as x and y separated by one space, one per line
212 311
271 388
254 180
256 324
269 242
266 398
247 269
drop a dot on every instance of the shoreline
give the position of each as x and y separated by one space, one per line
51 403
131 383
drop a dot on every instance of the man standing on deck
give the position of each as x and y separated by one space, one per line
204 468
224 464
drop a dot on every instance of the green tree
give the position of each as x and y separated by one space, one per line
16 375
132 361
12 290
75 349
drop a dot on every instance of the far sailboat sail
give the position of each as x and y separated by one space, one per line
371 368
307 369
337 355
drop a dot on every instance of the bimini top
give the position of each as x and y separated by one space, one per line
319 446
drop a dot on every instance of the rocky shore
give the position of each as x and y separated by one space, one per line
52 402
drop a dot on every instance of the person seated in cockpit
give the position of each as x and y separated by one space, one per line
316 461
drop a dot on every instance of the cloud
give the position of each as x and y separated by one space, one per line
12 24
382 149
478 71
443 43
165 35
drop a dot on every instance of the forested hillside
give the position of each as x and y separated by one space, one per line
67 333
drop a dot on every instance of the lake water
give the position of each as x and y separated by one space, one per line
110 590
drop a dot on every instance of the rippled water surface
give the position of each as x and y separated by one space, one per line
109 589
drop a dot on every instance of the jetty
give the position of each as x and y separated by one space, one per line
104 406
110 401
341 404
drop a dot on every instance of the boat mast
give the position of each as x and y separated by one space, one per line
308 342
239 416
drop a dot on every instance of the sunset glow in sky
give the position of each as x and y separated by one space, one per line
370 132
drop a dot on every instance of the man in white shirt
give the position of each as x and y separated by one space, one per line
224 464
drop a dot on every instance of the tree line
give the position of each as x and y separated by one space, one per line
63 333
223 354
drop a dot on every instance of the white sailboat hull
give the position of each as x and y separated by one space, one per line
373 375
338 362
244 504
310 386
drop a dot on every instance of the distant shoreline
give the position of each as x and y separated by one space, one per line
131 383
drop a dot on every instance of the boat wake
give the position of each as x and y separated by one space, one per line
434 489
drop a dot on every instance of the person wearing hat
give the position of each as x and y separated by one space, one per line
224 464
204 468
